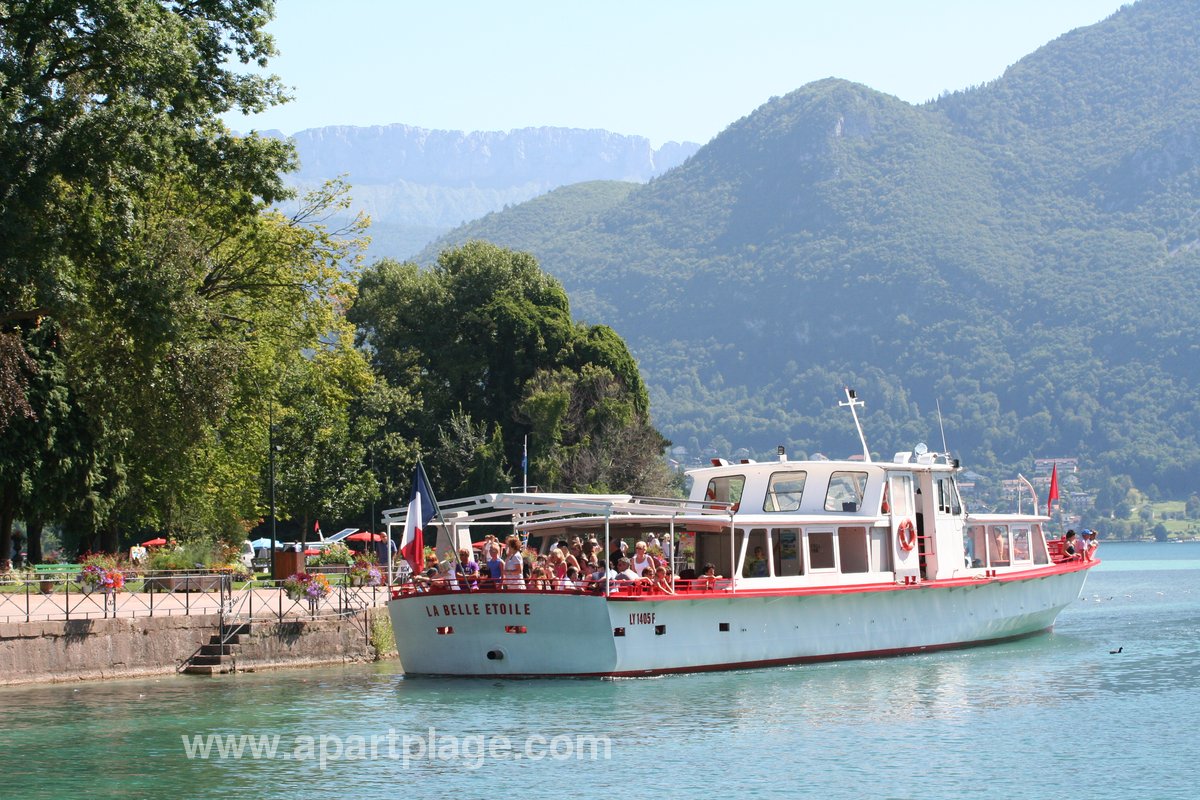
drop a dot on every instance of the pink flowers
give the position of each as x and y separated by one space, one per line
305 585
94 577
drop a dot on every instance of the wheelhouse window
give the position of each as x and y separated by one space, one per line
784 491
899 496
948 499
821 556
845 491
1038 543
1021 543
975 545
999 548
726 489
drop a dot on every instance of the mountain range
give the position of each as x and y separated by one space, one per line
417 184
1015 264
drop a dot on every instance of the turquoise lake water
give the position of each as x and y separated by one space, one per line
1053 716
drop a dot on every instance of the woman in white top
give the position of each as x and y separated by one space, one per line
514 565
642 560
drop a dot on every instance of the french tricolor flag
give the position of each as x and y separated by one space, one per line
421 508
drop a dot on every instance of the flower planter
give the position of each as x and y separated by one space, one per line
46 587
183 583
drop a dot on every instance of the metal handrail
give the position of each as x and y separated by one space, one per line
64 600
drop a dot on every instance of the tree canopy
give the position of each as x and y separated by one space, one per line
153 304
485 340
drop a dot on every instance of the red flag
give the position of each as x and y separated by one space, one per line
1053 491
317 529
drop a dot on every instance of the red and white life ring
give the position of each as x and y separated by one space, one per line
907 535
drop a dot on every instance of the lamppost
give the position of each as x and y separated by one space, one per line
271 470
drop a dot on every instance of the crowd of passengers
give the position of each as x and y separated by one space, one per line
578 565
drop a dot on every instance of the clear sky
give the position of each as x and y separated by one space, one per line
666 69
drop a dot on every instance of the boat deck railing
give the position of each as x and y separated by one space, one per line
618 588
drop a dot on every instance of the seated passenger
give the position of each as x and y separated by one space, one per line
662 581
1087 547
570 581
625 571
708 577
757 567
440 576
424 579
466 570
601 576
543 578
1070 547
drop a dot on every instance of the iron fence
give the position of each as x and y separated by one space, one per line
168 594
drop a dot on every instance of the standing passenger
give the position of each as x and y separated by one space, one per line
514 565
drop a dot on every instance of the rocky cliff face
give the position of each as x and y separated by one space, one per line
417 183
484 159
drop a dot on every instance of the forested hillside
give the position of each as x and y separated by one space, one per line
1023 252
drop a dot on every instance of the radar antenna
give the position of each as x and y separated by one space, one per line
853 402
945 447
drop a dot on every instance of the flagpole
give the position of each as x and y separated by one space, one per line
437 510
525 465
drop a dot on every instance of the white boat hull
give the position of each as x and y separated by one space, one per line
560 634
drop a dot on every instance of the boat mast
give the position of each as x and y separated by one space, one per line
853 402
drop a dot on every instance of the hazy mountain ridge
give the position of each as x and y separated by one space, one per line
1022 251
417 183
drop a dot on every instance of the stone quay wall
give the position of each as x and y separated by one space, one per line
98 649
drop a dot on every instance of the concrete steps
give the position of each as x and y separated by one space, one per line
219 656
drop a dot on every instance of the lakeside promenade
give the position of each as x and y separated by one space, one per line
29 604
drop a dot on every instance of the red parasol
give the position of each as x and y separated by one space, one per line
159 542
365 536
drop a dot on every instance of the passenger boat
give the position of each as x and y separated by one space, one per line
862 559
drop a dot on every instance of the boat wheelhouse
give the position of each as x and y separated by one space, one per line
813 560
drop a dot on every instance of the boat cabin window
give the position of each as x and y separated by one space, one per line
1038 543
726 489
1020 543
854 549
820 551
998 546
947 494
754 566
899 496
845 491
713 548
788 560
975 545
784 491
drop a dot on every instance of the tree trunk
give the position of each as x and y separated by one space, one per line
109 542
8 513
33 538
